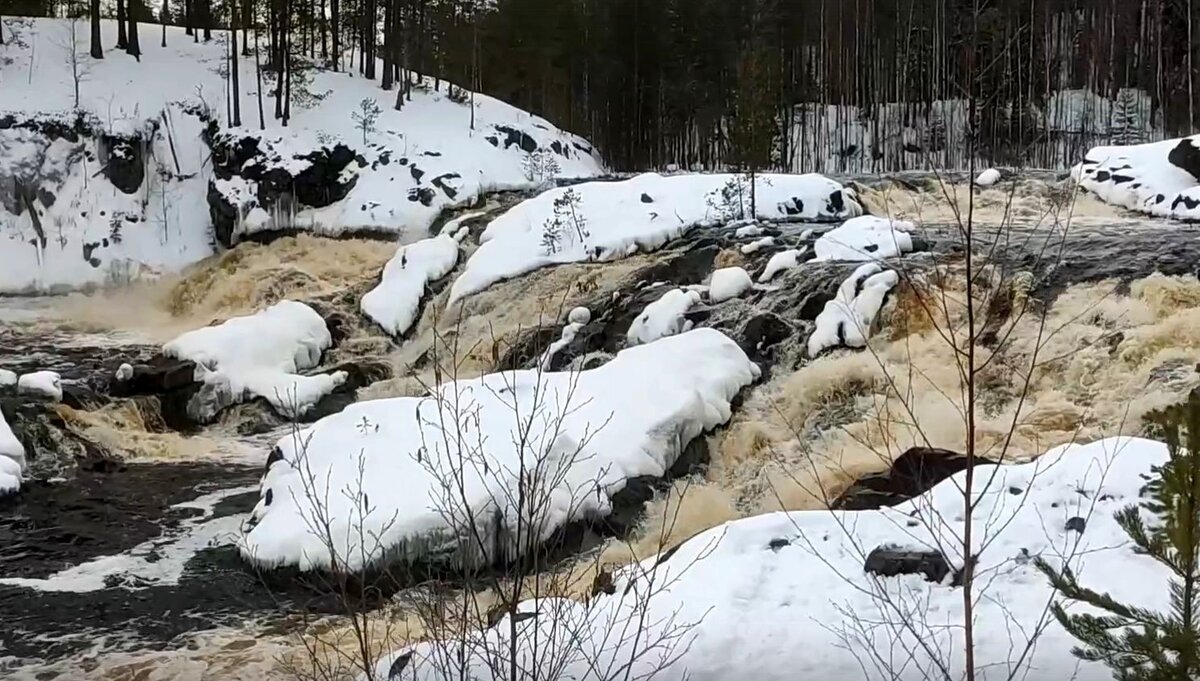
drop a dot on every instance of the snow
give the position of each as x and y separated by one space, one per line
770 597
848 318
381 468
395 302
748 231
783 260
260 355
728 283
1142 177
609 220
124 372
7 378
420 161
45 384
987 178
664 317
12 459
579 315
865 238
754 246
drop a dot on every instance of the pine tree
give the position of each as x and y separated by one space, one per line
1136 643
97 49
122 39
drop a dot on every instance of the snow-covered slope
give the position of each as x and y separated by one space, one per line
125 184
784 596
1160 178
597 221
387 472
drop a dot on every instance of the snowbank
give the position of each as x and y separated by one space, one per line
395 458
260 355
12 459
727 283
394 303
848 318
42 384
768 597
598 221
152 115
1160 178
865 238
664 317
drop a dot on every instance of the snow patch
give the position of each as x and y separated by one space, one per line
783 260
848 318
12 459
755 246
664 317
728 283
609 220
865 238
395 302
7 378
42 384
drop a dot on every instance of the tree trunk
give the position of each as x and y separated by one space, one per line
334 38
135 48
164 17
187 17
97 48
235 92
122 40
247 23
389 42
262 122
287 63
277 54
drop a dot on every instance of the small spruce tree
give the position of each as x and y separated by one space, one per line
1136 643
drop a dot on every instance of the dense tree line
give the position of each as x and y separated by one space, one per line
710 82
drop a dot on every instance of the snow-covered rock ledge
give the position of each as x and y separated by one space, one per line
258 355
600 221
382 472
770 597
1160 179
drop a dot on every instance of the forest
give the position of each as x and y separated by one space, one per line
804 85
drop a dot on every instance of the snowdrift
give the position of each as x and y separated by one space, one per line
1160 179
143 174
777 596
599 221
385 472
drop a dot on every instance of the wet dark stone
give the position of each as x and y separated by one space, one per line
646 198
1076 524
892 561
913 473
126 167
777 544
762 332
1186 157
359 374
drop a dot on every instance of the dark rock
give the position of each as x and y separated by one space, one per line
646 198
125 167
892 561
1076 524
1186 157
359 374
777 544
913 473
762 332
518 138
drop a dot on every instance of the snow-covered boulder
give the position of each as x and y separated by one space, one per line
258 355
727 283
865 238
8 379
784 596
12 459
579 315
847 320
1159 178
757 244
46 385
783 260
598 221
395 302
987 178
664 317
397 456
